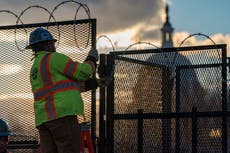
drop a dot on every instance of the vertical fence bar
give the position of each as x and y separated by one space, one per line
167 88
228 108
177 110
140 131
194 130
224 102
110 109
101 140
93 104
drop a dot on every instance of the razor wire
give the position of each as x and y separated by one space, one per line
151 44
106 37
15 31
41 7
192 35
81 5
142 42
109 78
173 75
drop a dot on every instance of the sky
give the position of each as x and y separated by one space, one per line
126 22
207 16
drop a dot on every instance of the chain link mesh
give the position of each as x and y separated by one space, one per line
16 99
147 81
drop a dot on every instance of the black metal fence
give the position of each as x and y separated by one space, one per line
165 100
75 39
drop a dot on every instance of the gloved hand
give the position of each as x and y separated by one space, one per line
92 59
89 84
93 55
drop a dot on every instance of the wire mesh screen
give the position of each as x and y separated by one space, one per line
174 81
75 39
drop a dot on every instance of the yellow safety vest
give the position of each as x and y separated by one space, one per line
55 80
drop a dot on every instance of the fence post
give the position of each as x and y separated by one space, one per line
224 101
110 108
194 129
140 131
101 141
178 103
167 88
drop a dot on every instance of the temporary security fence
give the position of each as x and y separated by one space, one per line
75 39
165 100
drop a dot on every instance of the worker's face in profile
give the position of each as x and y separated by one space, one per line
3 143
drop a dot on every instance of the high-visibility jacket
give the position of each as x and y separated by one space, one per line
55 84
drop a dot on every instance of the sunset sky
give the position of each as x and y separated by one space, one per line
128 21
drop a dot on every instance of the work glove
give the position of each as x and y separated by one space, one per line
92 58
93 55
89 84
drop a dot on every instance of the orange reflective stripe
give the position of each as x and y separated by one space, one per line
44 68
47 81
50 108
58 87
70 68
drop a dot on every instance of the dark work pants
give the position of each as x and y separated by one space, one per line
60 136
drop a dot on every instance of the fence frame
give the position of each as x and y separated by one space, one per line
34 144
107 115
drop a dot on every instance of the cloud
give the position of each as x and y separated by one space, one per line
139 20
147 33
179 40
115 15
140 17
111 15
222 39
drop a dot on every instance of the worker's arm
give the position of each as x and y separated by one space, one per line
91 83
92 59
73 69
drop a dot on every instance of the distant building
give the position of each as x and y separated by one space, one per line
155 91
167 31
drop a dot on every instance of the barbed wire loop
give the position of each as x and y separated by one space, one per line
106 37
15 31
87 10
46 10
180 45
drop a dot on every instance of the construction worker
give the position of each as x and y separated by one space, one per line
4 133
57 82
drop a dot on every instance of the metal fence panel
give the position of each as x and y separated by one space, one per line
75 39
168 86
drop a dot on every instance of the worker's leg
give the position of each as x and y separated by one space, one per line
66 132
47 144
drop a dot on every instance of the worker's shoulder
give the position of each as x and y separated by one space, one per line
59 55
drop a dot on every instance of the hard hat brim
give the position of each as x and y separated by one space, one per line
5 134
30 46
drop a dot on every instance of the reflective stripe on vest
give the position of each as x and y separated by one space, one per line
49 89
60 86
45 73
70 68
